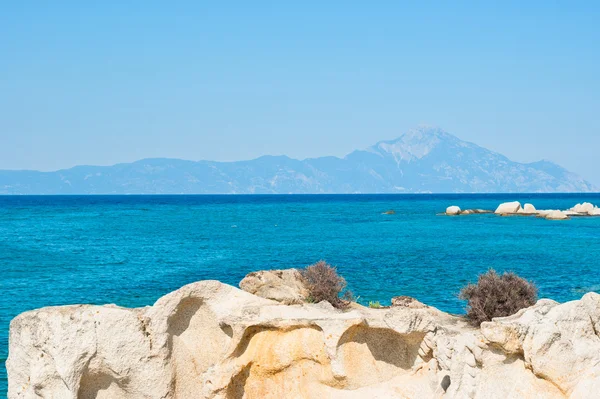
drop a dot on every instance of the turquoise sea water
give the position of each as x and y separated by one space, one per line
130 250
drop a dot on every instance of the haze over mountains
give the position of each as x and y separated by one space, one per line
421 161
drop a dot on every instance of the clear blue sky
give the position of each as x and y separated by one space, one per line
109 82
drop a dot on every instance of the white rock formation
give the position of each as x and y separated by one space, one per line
556 215
211 340
508 208
453 210
586 208
285 286
514 208
558 342
528 209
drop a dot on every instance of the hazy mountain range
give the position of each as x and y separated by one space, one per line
422 160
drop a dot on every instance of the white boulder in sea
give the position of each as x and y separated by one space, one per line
453 210
586 208
508 208
556 215
211 340
528 209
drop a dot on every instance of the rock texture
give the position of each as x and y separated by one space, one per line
211 340
285 286
407 302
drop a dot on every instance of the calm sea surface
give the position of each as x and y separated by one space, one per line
130 250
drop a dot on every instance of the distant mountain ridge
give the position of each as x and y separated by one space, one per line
424 160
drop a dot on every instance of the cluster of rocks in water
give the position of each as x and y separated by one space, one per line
515 209
212 340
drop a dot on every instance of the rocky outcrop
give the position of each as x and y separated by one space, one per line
515 209
528 209
555 215
558 342
508 208
211 340
453 210
586 209
285 286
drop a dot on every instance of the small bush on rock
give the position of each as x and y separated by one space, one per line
497 295
324 284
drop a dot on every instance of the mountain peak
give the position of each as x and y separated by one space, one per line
413 145
424 159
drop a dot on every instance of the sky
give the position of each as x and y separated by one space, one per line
99 83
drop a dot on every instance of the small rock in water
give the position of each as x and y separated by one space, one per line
508 208
390 212
556 215
453 210
528 209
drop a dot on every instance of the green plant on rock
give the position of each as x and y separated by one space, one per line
374 304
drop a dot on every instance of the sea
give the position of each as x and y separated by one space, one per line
131 250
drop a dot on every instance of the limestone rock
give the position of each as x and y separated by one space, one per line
211 340
407 302
556 215
453 210
286 286
508 208
474 211
571 213
586 208
559 343
528 209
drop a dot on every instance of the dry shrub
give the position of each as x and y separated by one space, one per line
497 296
325 284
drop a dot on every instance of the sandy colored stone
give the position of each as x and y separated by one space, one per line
586 208
508 208
556 215
285 286
528 209
453 210
211 340
407 302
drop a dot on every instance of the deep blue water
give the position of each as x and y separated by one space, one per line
130 250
